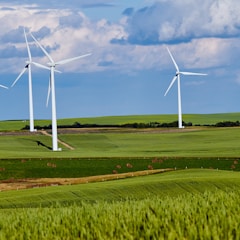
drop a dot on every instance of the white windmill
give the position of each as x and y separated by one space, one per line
177 77
52 66
29 62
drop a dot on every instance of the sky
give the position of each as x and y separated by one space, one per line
129 69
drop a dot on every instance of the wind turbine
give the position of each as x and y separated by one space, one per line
52 64
29 62
177 77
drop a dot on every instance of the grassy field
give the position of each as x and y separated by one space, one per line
191 142
194 118
161 185
150 207
200 142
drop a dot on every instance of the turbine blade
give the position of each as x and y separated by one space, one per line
57 71
192 73
21 73
28 49
172 82
72 59
2 86
45 52
44 67
174 62
49 90
40 65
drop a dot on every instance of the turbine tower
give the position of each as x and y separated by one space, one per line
29 62
177 77
52 66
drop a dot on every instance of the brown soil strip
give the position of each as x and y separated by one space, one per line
125 130
17 184
60 141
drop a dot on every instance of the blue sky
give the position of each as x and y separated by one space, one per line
129 69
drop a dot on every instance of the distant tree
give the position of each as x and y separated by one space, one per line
26 127
77 125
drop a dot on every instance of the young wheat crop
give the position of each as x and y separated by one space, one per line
190 216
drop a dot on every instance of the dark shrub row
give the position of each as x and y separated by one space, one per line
138 125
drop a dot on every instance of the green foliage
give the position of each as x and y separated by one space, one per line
228 124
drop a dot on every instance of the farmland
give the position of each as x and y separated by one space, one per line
155 206
212 216
121 183
189 142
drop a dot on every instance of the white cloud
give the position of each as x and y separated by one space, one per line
181 21
203 36
207 52
70 32
225 17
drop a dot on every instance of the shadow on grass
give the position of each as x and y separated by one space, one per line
39 143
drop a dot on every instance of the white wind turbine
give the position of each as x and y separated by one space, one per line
177 77
29 62
52 66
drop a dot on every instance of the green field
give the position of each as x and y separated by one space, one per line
187 204
211 216
164 184
198 142
202 119
81 167
196 200
194 118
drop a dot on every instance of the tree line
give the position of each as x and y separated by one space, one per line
173 124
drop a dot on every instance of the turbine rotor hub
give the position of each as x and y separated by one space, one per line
51 64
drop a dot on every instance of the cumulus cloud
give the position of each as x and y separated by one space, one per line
205 52
72 20
201 34
176 21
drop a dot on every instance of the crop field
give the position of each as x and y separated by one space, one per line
81 167
211 216
173 183
150 207
194 197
